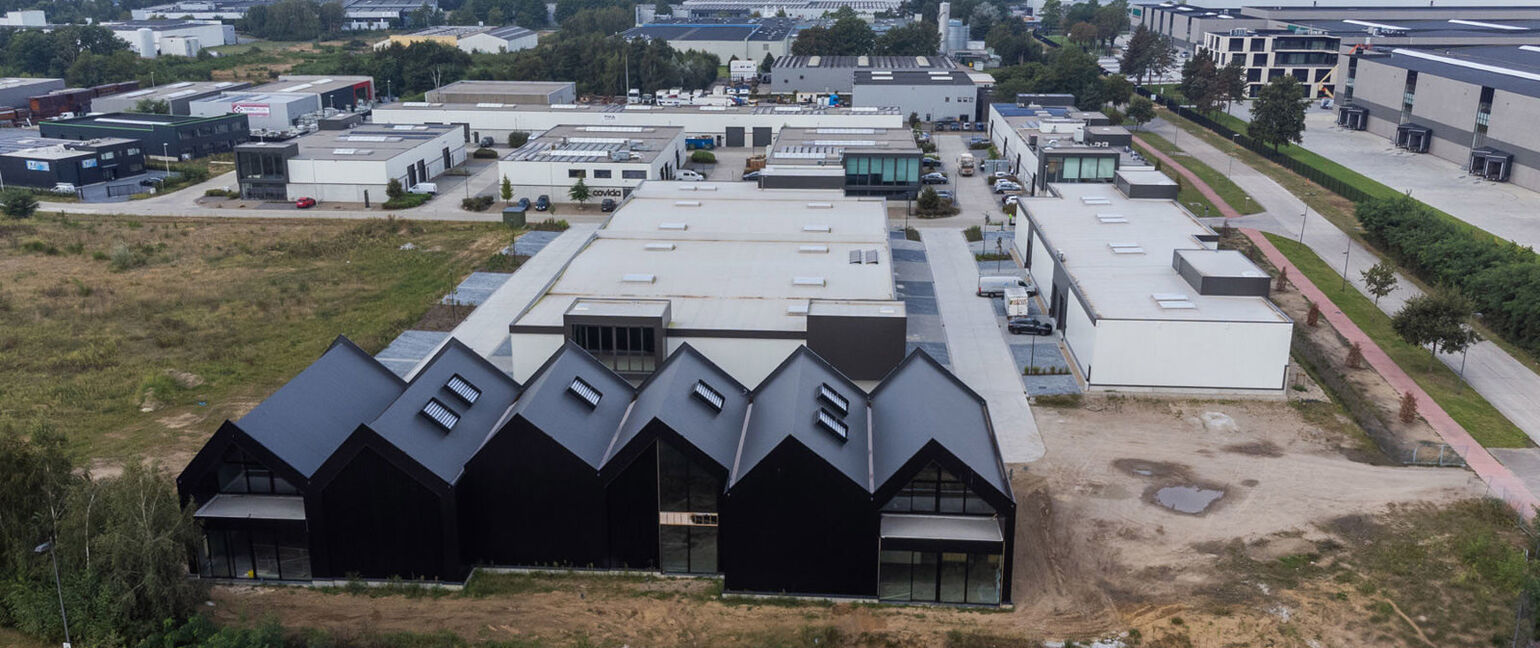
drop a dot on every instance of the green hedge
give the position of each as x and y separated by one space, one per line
1500 276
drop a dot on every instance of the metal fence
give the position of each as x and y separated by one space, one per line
1440 455
1332 184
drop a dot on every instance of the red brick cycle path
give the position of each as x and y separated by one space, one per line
1499 479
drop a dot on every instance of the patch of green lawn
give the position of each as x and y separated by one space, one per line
1467 407
1221 184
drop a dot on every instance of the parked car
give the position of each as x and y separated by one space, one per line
933 178
976 140
753 175
1011 199
1006 185
542 203
980 126
1028 326
424 188
304 203
487 142
688 175
947 195
995 286
608 205
147 182
930 163
1001 175
64 188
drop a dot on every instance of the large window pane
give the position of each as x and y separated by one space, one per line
893 574
924 576
673 480
954 577
1071 169
265 551
703 491
703 549
674 548
1109 167
294 562
977 506
232 478
984 578
218 561
240 554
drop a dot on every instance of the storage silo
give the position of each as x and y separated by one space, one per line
144 42
956 36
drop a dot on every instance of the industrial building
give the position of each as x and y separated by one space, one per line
335 92
197 10
823 74
51 162
1054 144
175 95
1470 105
172 37
735 125
16 91
264 111
69 101
610 160
24 18
745 39
743 274
371 15
858 161
352 166
177 136
804 485
470 91
1143 299
472 39
797 9
931 95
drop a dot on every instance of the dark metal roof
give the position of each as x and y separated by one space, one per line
786 405
707 29
585 431
938 62
1462 61
1414 126
669 397
444 452
919 402
309 417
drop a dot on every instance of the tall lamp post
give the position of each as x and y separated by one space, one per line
1475 338
164 152
1346 254
58 587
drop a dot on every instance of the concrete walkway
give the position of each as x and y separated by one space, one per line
1505 382
977 347
1501 481
486 329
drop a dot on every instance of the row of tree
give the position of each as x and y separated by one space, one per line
852 36
1068 69
1087 23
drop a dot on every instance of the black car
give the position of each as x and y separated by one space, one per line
524 202
933 178
151 182
1028 326
542 203
753 175
930 163
608 205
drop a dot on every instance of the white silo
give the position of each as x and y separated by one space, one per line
943 16
144 42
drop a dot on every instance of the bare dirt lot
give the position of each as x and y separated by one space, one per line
1288 555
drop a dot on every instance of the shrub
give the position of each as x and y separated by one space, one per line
484 154
477 203
406 201
221 193
18 203
517 139
393 189
127 257
550 225
703 157
974 234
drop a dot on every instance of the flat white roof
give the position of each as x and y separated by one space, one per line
742 258
1119 252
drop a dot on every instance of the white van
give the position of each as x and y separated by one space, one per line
1018 301
429 188
995 286
688 175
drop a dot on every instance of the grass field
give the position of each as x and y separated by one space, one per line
1228 191
1462 403
199 319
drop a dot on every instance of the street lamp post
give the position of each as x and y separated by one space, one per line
164 152
58 587
1234 139
1346 254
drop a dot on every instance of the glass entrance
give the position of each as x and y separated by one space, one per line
687 514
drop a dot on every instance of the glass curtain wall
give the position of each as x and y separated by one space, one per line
625 349
934 490
256 553
940 577
241 474
879 171
687 514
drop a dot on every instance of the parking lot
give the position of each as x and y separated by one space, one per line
975 200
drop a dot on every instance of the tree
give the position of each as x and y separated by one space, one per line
1083 34
506 189
1380 280
1200 83
662 9
1141 110
1437 320
1051 15
579 192
393 189
913 39
517 139
982 19
155 106
1117 89
495 16
1278 114
929 200
1231 81
1013 43
1111 20
765 63
18 203
332 17
1140 53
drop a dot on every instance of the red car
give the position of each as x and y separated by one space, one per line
304 203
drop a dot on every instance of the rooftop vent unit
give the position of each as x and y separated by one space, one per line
1126 248
440 413
585 392
814 249
686 203
659 247
799 308
1094 200
1111 218
711 397
816 228
820 205
680 227
639 277
463 389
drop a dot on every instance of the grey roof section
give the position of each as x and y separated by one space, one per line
939 62
1504 67
584 431
786 405
913 77
227 506
669 396
309 417
444 452
920 401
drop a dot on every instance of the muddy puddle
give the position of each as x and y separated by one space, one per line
1187 498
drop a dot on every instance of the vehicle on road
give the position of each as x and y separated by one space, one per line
542 203
947 195
1028 326
304 203
428 188
753 175
1018 301
1010 199
1006 185
933 178
147 182
930 163
608 205
688 175
965 164
995 286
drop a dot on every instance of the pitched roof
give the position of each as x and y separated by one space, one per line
669 396
920 401
565 417
309 417
787 404
444 452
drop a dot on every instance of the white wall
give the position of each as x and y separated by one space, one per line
498 123
1080 334
746 360
490 44
1189 354
1012 147
531 350
345 180
532 179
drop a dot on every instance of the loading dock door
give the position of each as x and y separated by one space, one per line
735 136
761 136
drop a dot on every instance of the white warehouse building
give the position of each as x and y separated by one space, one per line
347 165
611 160
264 111
736 125
154 37
1144 300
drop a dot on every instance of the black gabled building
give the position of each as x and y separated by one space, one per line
804 485
532 494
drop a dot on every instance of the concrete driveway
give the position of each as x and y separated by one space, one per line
974 197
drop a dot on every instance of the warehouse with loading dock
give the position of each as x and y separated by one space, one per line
335 92
177 96
611 160
352 166
47 162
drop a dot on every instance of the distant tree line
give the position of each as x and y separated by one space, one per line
1069 70
1087 23
852 36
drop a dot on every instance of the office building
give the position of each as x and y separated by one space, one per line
473 39
931 95
610 160
372 15
50 162
1143 299
180 137
176 96
264 111
1266 54
836 74
24 18
353 166
1054 144
858 161
471 91
335 92
745 39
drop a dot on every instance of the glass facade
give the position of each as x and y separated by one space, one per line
879 172
258 553
939 577
240 473
687 514
625 349
261 166
934 490
1079 168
